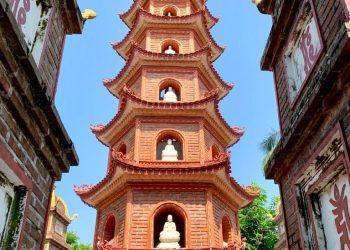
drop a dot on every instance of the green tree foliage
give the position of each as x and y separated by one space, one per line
256 222
268 145
73 240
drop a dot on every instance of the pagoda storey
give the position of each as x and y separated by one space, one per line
168 182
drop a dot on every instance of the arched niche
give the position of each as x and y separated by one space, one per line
122 148
109 230
170 11
162 141
159 217
170 47
164 87
214 152
226 230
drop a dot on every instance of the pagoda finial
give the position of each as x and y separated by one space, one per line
88 14
256 2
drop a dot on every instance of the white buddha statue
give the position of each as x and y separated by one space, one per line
169 238
169 153
170 50
169 14
170 95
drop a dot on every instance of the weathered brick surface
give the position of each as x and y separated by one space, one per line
51 57
322 104
331 20
27 129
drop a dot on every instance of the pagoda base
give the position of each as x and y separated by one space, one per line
168 245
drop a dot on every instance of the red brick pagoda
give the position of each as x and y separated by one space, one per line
168 182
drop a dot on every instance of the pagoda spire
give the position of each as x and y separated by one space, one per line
168 180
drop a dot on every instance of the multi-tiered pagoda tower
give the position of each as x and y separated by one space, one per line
168 142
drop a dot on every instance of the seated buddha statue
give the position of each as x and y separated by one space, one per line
170 50
169 238
169 153
170 95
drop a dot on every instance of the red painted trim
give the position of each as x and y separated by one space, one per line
324 142
59 67
48 207
334 165
52 14
292 103
346 7
18 171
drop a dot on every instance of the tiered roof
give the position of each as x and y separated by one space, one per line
141 58
129 16
145 20
132 106
124 172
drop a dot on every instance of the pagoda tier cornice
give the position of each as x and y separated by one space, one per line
131 106
129 16
140 58
144 21
124 172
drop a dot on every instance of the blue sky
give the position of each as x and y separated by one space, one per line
83 100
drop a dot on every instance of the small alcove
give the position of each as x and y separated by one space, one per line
160 218
170 47
170 11
214 151
109 230
122 149
163 141
164 88
226 231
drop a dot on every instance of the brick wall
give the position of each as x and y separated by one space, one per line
183 37
31 132
152 80
144 202
52 51
149 132
22 151
181 6
117 209
220 209
209 141
340 111
129 140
